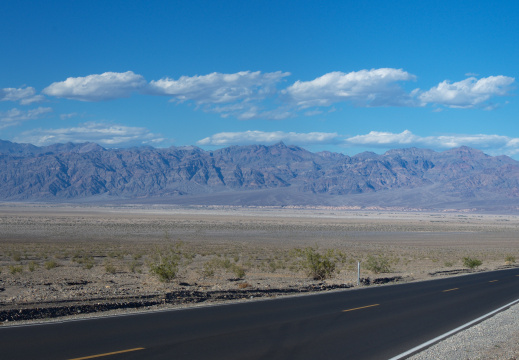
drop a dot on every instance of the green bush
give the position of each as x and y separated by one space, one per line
165 264
378 264
238 271
110 267
88 262
471 263
318 266
208 269
51 264
225 264
510 259
82 259
15 269
32 266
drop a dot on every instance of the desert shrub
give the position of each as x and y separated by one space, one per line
471 263
82 259
110 267
378 264
208 269
510 259
238 271
14 269
165 264
318 266
17 256
32 266
77 257
448 264
212 265
88 262
51 264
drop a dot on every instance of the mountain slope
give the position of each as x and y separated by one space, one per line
257 174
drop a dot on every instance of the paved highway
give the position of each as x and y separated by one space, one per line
371 323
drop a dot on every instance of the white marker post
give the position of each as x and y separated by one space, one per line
358 272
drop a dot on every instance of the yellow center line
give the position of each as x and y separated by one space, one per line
493 280
451 289
107 354
362 307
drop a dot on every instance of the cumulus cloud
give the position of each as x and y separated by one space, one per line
15 116
98 87
263 137
25 96
256 95
496 143
108 135
237 94
378 138
468 93
375 87
217 88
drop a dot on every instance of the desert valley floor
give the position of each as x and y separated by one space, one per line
58 260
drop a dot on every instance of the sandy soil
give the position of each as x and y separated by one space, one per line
87 258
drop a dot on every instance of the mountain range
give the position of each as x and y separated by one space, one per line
278 175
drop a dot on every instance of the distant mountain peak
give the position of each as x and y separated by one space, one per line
465 151
418 178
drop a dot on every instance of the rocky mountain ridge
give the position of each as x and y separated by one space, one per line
256 175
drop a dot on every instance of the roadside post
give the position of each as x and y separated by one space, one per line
358 272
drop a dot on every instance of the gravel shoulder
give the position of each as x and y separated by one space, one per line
496 338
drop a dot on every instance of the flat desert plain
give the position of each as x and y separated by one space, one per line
58 260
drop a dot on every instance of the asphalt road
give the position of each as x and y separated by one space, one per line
370 323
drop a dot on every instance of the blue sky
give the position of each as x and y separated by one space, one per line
345 76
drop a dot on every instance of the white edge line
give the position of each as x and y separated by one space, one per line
452 332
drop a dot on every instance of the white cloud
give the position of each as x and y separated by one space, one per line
263 137
15 116
492 144
100 133
25 95
218 88
98 87
375 87
495 143
241 94
378 138
468 93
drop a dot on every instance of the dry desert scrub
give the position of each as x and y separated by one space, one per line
121 253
